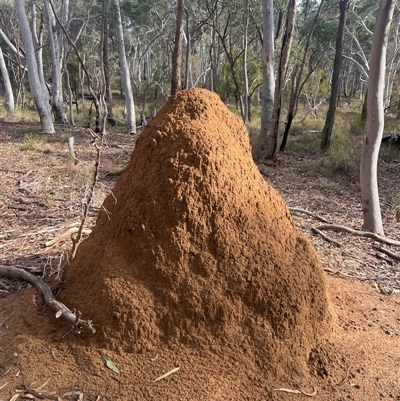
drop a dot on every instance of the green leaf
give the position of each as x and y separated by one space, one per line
109 363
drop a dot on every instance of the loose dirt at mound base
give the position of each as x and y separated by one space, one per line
195 263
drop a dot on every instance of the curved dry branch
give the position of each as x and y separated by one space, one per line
60 308
326 238
317 216
367 234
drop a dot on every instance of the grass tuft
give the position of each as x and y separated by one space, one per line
31 142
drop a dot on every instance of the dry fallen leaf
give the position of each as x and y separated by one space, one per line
167 374
109 363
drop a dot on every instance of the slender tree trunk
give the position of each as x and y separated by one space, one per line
176 84
245 74
330 117
125 76
56 97
187 60
375 120
280 79
297 83
268 87
9 96
38 46
106 68
38 92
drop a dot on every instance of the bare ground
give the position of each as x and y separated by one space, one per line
41 198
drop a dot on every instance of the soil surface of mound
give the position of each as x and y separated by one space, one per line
195 249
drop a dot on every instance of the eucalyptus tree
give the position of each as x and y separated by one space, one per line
105 60
238 41
37 33
298 81
38 91
56 57
268 88
176 78
125 76
13 50
357 47
330 117
148 36
8 92
272 142
375 119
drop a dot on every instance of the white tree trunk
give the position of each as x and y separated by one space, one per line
125 76
10 45
56 96
9 96
375 120
268 88
280 79
37 45
37 89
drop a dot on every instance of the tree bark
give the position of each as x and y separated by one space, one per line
106 68
188 44
176 84
280 79
39 96
56 96
297 83
125 76
375 120
330 117
268 87
37 38
9 96
246 105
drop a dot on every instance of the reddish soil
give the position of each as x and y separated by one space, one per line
199 266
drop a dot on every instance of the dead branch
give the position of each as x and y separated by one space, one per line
318 217
76 240
60 308
359 233
325 237
30 269
393 255
65 236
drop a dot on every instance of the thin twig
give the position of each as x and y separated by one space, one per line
78 238
288 390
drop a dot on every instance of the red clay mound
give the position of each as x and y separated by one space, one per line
197 249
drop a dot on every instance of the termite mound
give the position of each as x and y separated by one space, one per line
195 248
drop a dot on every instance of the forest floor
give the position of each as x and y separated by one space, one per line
41 197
